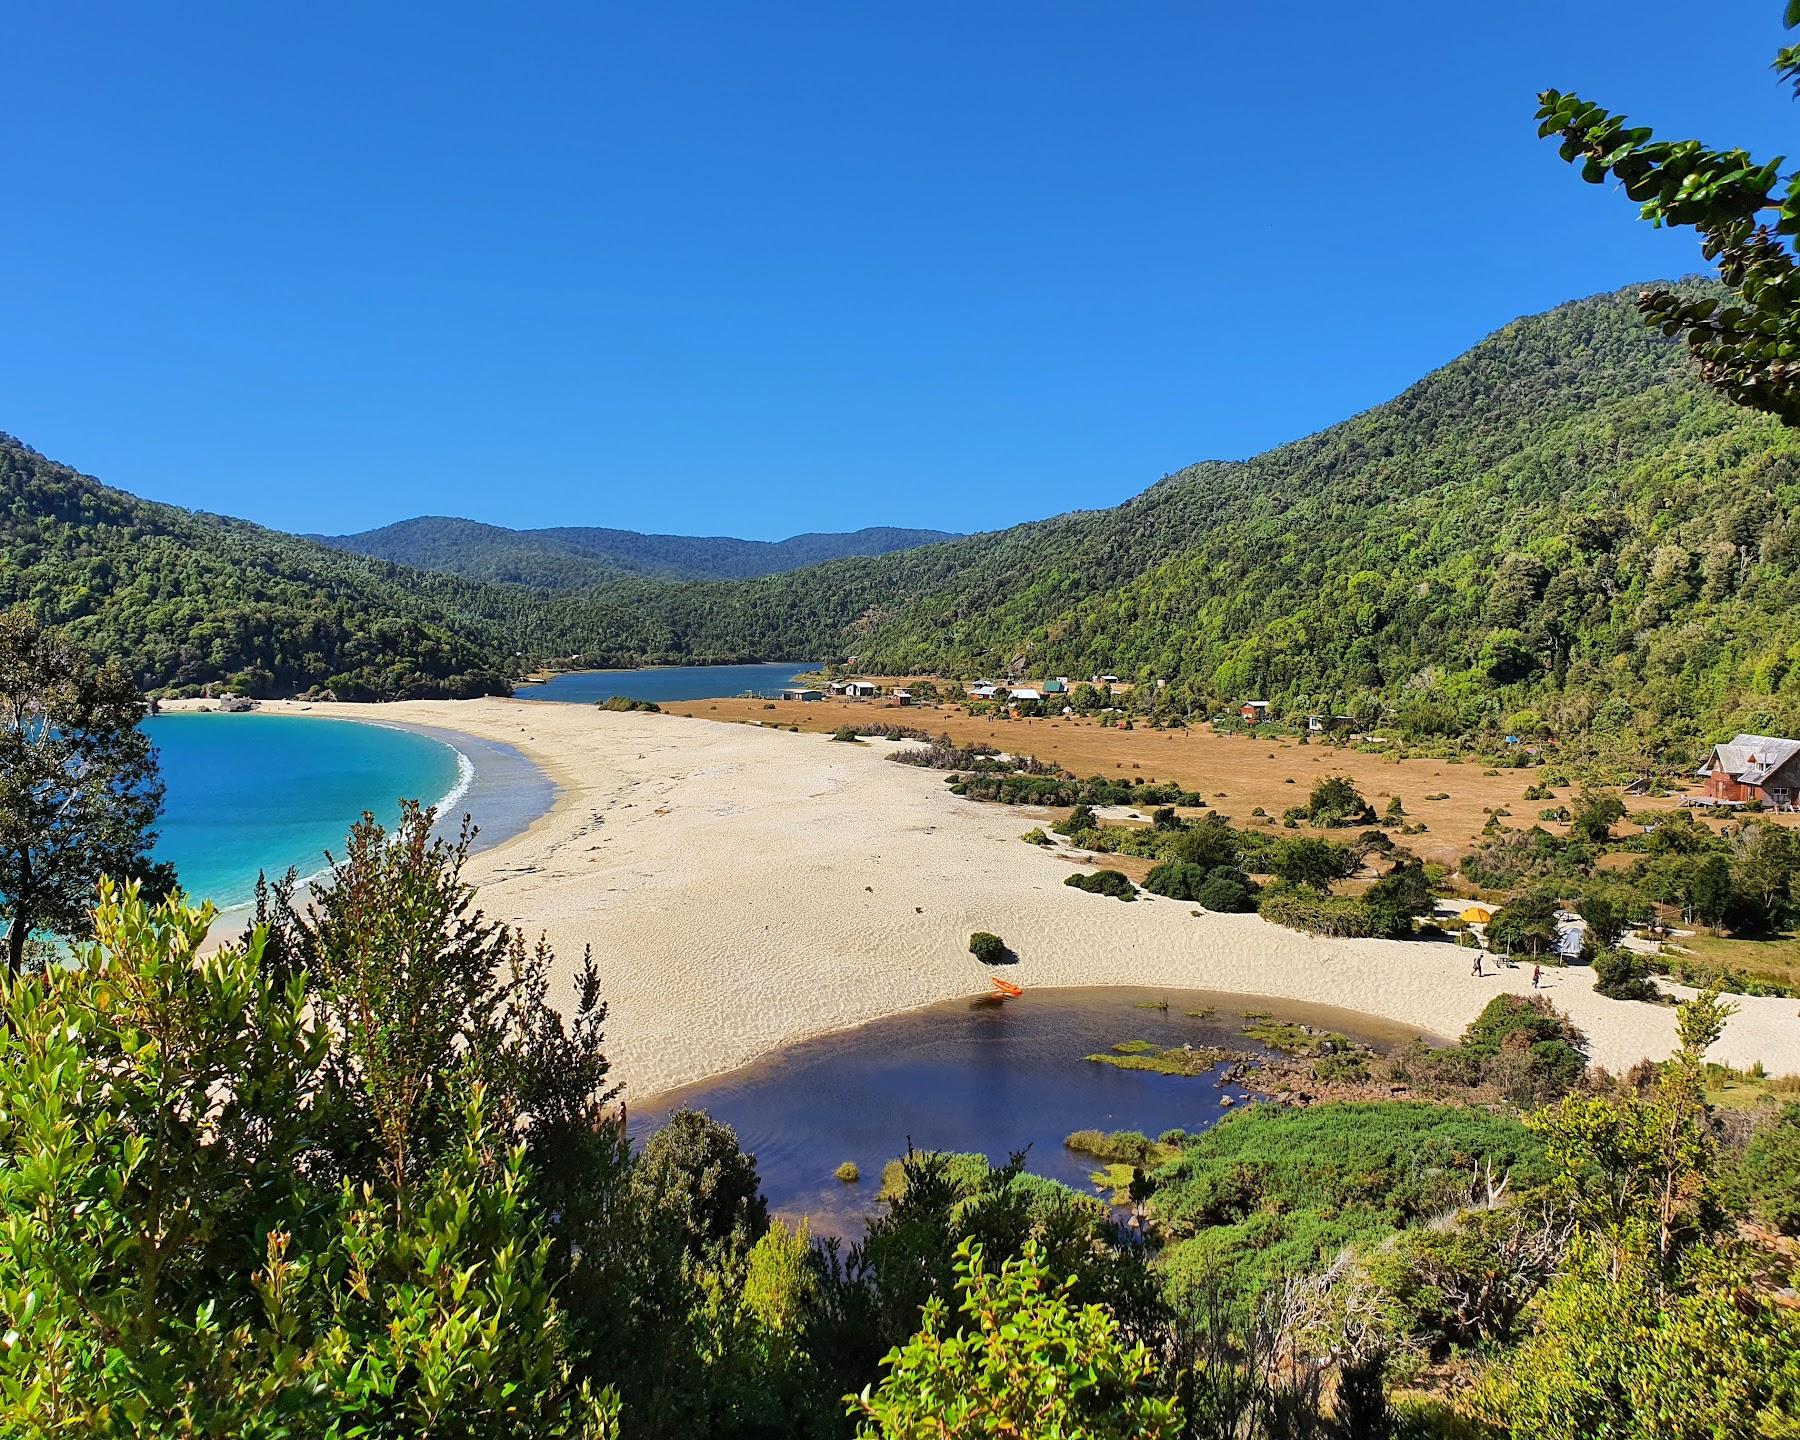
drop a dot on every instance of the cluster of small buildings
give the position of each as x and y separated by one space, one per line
1053 689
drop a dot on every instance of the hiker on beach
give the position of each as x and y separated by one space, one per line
1477 969
1536 972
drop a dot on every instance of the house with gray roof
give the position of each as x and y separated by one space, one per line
1753 768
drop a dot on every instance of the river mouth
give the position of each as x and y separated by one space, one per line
986 1076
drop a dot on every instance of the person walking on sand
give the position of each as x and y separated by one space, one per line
1536 973
1477 969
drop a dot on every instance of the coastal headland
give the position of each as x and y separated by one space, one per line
743 887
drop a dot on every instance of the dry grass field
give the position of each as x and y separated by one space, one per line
1236 772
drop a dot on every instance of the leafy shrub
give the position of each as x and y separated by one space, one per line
989 949
845 734
1525 1045
1620 975
1227 891
1176 879
1343 917
1272 1191
624 704
1105 882
1767 1178
1335 802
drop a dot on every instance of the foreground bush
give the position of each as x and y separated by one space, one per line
1028 1363
180 1256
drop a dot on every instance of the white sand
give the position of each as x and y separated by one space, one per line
743 888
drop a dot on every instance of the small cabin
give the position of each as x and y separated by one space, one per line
861 689
1058 686
1026 692
802 692
1254 712
986 690
900 696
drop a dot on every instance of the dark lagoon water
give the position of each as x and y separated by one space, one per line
249 793
673 682
976 1076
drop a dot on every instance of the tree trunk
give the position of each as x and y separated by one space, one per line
15 946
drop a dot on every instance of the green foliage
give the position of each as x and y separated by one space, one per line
1343 917
1612 550
1767 1177
988 948
1621 975
1746 214
1180 880
78 784
1335 802
624 704
1309 861
1522 1044
693 1173
1029 1363
174 1262
182 600
1594 816
1634 531
1271 1191
1228 891
1618 1350
576 557
1104 882
1405 892
1526 924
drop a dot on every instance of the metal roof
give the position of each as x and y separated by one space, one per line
1751 759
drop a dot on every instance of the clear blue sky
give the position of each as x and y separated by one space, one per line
760 268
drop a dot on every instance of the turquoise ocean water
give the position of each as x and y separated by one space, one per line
266 792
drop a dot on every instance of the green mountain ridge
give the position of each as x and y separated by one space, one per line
1561 531
578 557
185 599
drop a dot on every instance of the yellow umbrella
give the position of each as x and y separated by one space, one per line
1478 914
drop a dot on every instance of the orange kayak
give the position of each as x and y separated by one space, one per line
1007 988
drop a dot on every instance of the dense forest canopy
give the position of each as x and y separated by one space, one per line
185 600
576 557
1562 531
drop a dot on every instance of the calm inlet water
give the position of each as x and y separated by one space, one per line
975 1076
266 792
674 682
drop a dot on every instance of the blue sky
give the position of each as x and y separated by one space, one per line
755 269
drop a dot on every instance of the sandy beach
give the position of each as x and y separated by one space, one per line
743 887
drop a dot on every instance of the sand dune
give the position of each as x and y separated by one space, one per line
744 887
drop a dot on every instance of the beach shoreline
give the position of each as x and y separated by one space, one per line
744 888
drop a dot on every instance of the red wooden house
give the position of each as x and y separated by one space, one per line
1752 768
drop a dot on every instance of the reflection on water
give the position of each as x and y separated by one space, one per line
975 1076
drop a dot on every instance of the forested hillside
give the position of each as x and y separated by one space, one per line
1560 529
185 600
576 557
